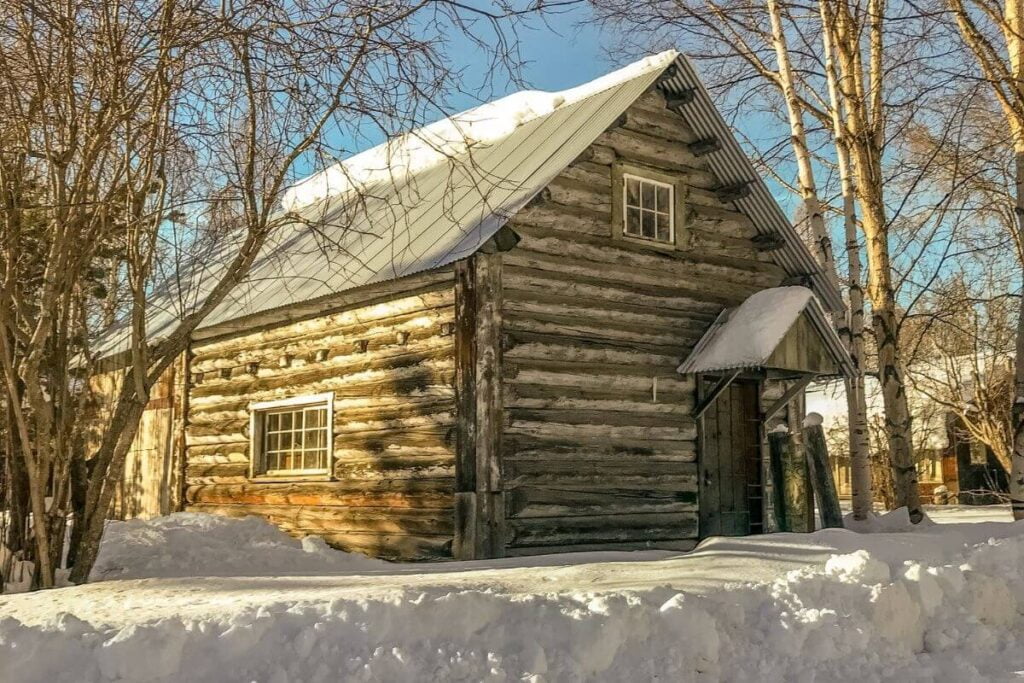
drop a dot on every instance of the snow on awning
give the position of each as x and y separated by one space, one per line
782 328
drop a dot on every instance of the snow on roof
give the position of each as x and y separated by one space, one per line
746 336
435 195
457 135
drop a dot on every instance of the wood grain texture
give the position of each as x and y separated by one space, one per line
599 449
390 363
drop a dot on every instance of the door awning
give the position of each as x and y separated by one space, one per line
783 328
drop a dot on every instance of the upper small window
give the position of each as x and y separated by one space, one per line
292 436
648 208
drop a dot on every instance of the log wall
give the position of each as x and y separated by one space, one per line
599 449
390 365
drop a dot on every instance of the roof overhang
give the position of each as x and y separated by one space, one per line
780 329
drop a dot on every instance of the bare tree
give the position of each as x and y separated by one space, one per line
834 65
153 142
995 36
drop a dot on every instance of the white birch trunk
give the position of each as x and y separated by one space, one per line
853 332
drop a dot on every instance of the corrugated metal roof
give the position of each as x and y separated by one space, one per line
746 336
446 211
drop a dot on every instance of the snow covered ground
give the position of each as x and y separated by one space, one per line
197 598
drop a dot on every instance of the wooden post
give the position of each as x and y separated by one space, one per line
799 501
479 501
778 453
821 473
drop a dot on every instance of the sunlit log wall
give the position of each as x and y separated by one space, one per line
599 449
518 402
389 361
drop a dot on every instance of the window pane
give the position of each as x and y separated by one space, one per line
664 228
648 229
646 196
315 417
663 199
632 226
632 192
294 440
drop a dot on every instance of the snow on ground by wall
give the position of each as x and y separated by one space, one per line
192 544
939 603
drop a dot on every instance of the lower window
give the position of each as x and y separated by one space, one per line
292 436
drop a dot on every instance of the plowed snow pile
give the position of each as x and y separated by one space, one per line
940 603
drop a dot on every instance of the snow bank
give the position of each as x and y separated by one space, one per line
884 611
194 544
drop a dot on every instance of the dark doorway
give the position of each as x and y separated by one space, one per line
731 490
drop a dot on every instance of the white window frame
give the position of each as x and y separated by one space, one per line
257 412
626 177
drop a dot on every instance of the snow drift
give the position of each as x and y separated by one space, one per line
193 544
943 604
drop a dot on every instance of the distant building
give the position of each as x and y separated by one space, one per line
946 454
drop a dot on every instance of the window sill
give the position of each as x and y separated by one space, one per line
643 241
289 478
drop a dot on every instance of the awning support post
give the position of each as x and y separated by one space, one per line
781 402
706 402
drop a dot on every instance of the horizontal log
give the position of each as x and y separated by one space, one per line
579 194
332 519
601 528
333 352
517 393
610 418
336 302
723 221
658 123
593 174
573 373
590 406
593 376
636 456
568 502
650 337
396 467
620 313
426 494
678 263
596 154
399 357
552 347
702 242
702 289
419 384
383 407
591 433
519 281
421 378
659 153
577 219
384 313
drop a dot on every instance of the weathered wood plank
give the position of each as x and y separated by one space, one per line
426 493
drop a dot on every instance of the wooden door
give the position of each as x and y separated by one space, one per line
731 489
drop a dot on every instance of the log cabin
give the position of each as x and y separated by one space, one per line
569 331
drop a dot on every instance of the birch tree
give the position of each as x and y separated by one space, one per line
850 105
994 34
861 85
138 139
